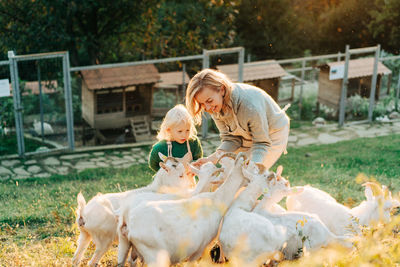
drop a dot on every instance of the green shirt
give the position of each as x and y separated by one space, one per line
178 150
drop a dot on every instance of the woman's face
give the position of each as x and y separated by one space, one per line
210 100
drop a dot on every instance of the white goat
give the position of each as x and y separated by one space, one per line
183 228
206 173
271 203
96 219
302 229
340 219
249 235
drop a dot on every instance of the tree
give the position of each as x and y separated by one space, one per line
346 24
86 28
385 24
268 28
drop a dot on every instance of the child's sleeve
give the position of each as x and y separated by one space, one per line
198 151
154 159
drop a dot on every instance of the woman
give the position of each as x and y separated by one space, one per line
247 118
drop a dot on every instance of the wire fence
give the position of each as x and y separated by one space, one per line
45 113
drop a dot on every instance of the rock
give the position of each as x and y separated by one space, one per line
81 165
30 162
319 121
9 163
394 115
102 164
307 155
34 169
51 161
325 138
42 149
77 156
307 141
21 172
130 158
5 171
98 154
292 138
383 119
43 175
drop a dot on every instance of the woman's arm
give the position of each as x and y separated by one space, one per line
229 142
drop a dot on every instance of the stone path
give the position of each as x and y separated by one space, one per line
123 157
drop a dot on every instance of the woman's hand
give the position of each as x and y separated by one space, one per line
200 162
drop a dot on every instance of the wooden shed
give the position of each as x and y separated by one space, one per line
111 97
263 74
359 81
170 83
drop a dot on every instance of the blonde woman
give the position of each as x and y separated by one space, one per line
247 118
177 137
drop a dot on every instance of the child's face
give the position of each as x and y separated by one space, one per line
211 100
180 133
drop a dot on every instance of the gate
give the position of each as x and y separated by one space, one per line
41 91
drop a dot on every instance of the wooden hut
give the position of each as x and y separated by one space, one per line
111 97
263 74
172 84
359 81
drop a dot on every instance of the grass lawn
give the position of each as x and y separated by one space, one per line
37 215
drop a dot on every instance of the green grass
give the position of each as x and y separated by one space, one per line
9 145
40 210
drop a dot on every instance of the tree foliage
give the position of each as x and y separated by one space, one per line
102 31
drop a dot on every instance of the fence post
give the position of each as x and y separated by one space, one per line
204 123
183 82
396 99
373 84
303 65
241 62
17 104
40 99
343 95
68 101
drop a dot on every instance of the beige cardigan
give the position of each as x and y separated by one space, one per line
257 114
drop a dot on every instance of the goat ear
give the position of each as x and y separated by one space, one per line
368 193
194 169
162 156
165 167
271 176
279 170
187 158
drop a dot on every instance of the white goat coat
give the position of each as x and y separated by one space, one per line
183 228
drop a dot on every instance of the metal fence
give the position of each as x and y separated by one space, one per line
42 102
45 94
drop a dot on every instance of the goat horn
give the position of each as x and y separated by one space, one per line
217 172
227 154
376 189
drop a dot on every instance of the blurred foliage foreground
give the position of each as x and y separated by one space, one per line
37 215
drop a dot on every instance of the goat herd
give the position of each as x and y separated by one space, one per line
170 221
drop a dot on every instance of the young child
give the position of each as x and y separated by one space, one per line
177 136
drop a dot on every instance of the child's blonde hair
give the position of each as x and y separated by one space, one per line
177 115
207 78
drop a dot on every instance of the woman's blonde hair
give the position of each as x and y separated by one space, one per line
207 78
175 116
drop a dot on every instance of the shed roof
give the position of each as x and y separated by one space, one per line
120 76
362 67
172 78
32 88
258 70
